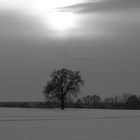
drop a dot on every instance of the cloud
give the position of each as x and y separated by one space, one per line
106 5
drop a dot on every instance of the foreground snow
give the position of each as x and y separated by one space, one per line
71 124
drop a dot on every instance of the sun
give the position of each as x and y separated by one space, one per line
61 21
54 14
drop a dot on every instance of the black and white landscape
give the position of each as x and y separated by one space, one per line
82 56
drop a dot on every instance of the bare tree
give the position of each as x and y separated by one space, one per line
63 82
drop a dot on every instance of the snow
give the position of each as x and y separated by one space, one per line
70 124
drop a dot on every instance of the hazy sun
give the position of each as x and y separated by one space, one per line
53 16
50 11
61 20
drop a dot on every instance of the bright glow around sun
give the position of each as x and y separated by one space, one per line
49 11
62 20
53 17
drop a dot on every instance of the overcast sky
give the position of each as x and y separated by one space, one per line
100 38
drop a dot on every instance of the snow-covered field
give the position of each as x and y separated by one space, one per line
71 124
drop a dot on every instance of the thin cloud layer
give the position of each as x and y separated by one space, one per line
105 5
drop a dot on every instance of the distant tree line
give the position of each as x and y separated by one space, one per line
29 104
124 101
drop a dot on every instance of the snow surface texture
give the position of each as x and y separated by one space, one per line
70 124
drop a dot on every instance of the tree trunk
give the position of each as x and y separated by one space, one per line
62 103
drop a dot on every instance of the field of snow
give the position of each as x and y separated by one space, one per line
71 124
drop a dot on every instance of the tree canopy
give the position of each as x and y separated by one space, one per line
63 82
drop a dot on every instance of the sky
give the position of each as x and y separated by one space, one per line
100 38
